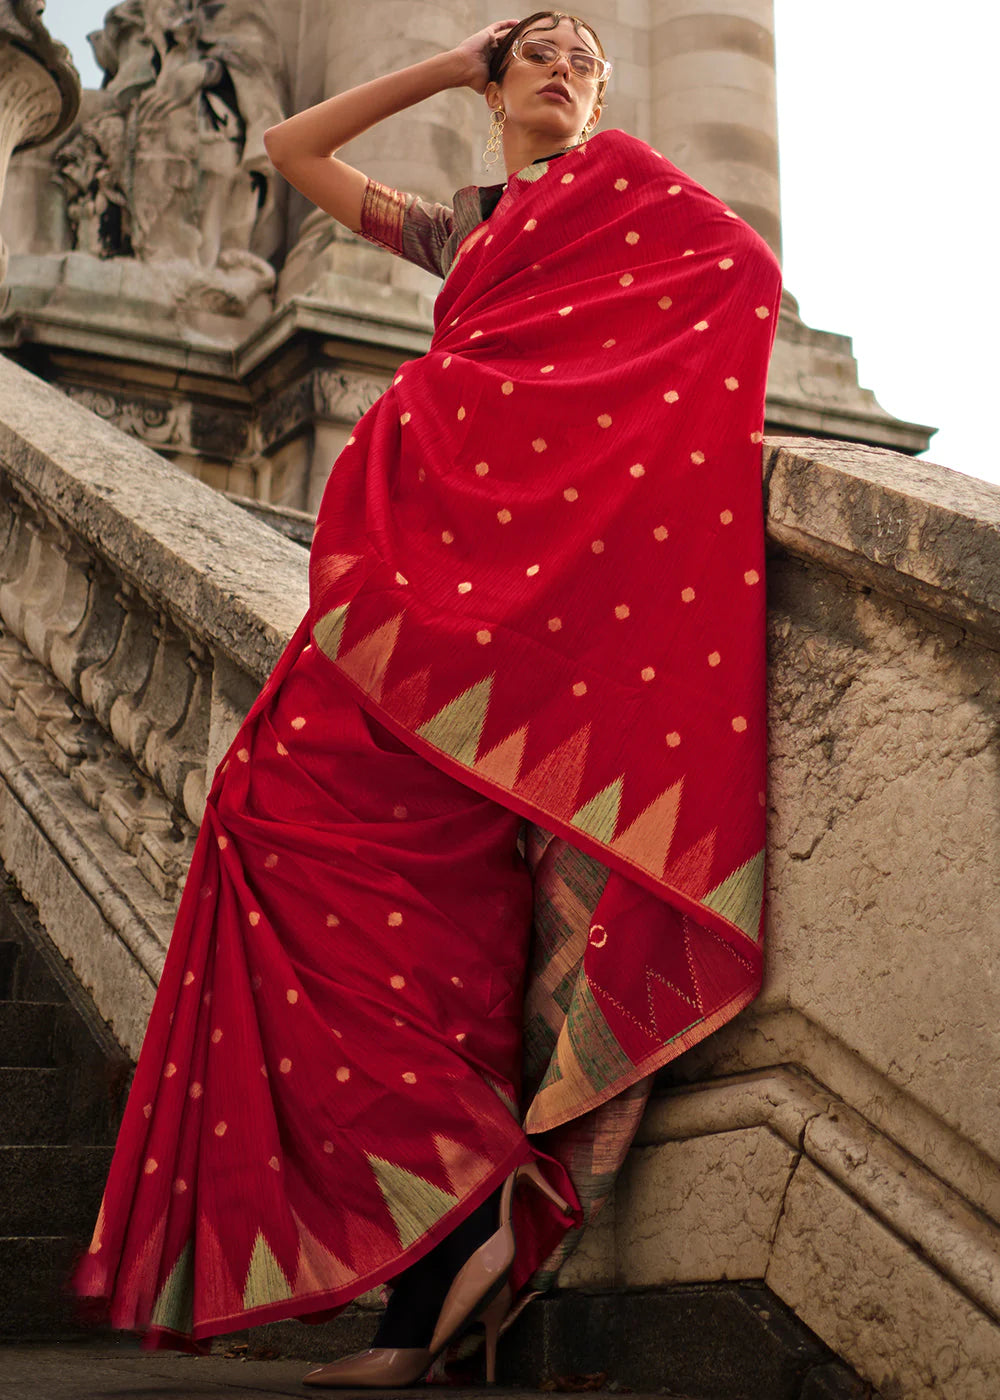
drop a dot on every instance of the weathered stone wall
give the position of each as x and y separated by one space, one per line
840 1138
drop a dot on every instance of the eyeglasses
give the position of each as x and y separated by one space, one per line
543 54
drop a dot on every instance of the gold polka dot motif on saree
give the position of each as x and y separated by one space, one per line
726 264
665 303
661 533
671 396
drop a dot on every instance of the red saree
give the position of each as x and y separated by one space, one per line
536 592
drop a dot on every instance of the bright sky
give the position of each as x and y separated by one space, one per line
887 131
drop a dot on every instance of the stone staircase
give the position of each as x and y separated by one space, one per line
62 1081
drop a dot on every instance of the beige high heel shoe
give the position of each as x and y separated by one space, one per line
479 1292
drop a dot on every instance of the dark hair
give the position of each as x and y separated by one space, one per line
500 57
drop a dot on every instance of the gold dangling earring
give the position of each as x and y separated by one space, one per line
494 146
584 135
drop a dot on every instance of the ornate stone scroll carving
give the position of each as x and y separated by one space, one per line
39 87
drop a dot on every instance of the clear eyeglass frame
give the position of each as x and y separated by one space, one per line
541 53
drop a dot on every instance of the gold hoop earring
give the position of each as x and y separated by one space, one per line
494 146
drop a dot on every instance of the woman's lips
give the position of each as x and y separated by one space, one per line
555 92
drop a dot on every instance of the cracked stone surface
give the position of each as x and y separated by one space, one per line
871 1299
884 879
704 1208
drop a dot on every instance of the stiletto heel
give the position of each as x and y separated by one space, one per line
530 1172
491 1318
478 1292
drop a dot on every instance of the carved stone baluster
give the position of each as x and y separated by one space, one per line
126 670
141 722
94 640
59 613
19 562
176 758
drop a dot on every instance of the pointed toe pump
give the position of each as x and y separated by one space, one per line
479 1292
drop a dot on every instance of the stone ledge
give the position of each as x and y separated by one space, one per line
961 1243
917 532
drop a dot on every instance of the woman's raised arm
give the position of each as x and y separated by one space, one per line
303 147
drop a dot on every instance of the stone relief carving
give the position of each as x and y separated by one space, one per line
172 168
338 396
172 426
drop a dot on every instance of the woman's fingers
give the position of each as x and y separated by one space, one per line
478 50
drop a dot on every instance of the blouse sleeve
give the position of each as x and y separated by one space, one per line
407 226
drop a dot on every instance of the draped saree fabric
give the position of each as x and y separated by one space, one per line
536 602
540 559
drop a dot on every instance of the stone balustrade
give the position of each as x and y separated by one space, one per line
840 1138
141 612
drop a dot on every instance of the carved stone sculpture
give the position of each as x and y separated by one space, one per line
173 168
39 87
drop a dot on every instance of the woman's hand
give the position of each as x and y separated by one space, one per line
478 50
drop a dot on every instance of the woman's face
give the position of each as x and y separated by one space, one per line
549 98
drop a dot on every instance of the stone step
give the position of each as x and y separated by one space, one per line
27 1032
25 976
34 1105
35 1303
51 1190
10 953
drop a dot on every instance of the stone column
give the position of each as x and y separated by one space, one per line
429 149
714 101
39 87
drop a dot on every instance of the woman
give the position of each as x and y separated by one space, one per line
535 595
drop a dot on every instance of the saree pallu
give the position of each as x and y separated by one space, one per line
536 593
